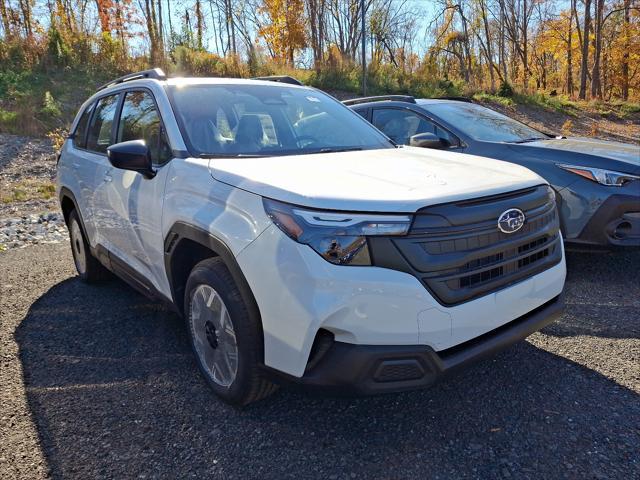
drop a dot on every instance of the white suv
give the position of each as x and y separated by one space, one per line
299 243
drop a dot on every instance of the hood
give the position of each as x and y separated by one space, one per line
386 180
593 153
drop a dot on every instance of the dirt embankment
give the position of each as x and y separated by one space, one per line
586 123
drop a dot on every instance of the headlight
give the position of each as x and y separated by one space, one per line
604 177
339 238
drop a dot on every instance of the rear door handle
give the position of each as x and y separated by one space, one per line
107 178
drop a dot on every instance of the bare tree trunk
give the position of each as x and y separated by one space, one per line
503 53
234 48
150 17
585 50
596 83
570 52
625 56
160 30
25 7
199 22
487 35
5 20
525 46
169 18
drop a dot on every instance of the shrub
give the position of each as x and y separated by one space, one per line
50 107
505 90
7 119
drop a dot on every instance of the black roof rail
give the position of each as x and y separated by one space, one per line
380 98
280 79
155 73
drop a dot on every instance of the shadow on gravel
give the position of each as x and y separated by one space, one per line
602 295
115 393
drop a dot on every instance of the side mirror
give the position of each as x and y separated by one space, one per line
132 155
426 140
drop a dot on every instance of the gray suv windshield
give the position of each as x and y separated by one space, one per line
481 123
261 120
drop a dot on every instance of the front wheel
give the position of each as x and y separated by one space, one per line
226 338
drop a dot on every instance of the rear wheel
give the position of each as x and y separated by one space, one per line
226 338
89 269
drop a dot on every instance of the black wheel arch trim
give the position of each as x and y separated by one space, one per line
184 231
68 194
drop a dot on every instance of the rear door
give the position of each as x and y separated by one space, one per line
136 202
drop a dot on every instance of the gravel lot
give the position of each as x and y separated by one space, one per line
98 382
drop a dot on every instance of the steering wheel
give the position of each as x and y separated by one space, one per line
306 141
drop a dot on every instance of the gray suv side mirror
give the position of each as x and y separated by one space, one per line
132 155
426 140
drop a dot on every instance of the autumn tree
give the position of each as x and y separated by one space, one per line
285 33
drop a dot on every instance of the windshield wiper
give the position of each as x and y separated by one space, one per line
230 155
527 140
334 150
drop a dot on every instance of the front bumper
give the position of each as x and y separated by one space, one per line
299 294
369 369
616 224
594 218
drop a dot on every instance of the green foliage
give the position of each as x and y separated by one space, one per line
57 49
559 103
189 61
7 119
505 90
17 84
484 97
384 79
50 106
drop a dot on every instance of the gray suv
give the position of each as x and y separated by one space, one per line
597 183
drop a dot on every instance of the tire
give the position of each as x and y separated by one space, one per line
228 348
89 269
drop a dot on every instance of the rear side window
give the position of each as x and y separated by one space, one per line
140 120
99 137
80 134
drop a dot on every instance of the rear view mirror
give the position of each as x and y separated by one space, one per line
426 140
132 155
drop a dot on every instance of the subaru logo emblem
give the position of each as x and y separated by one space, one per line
511 220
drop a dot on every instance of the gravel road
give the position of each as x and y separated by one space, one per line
98 382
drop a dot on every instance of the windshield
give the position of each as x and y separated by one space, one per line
483 124
260 120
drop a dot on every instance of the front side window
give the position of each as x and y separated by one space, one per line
80 134
140 120
481 123
264 120
400 125
99 137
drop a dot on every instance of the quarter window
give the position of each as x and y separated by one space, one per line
80 135
140 121
100 129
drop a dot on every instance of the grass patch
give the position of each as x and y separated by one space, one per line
7 120
487 97
628 107
28 190
558 103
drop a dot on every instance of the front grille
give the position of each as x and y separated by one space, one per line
459 253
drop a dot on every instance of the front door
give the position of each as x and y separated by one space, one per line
136 235
400 124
